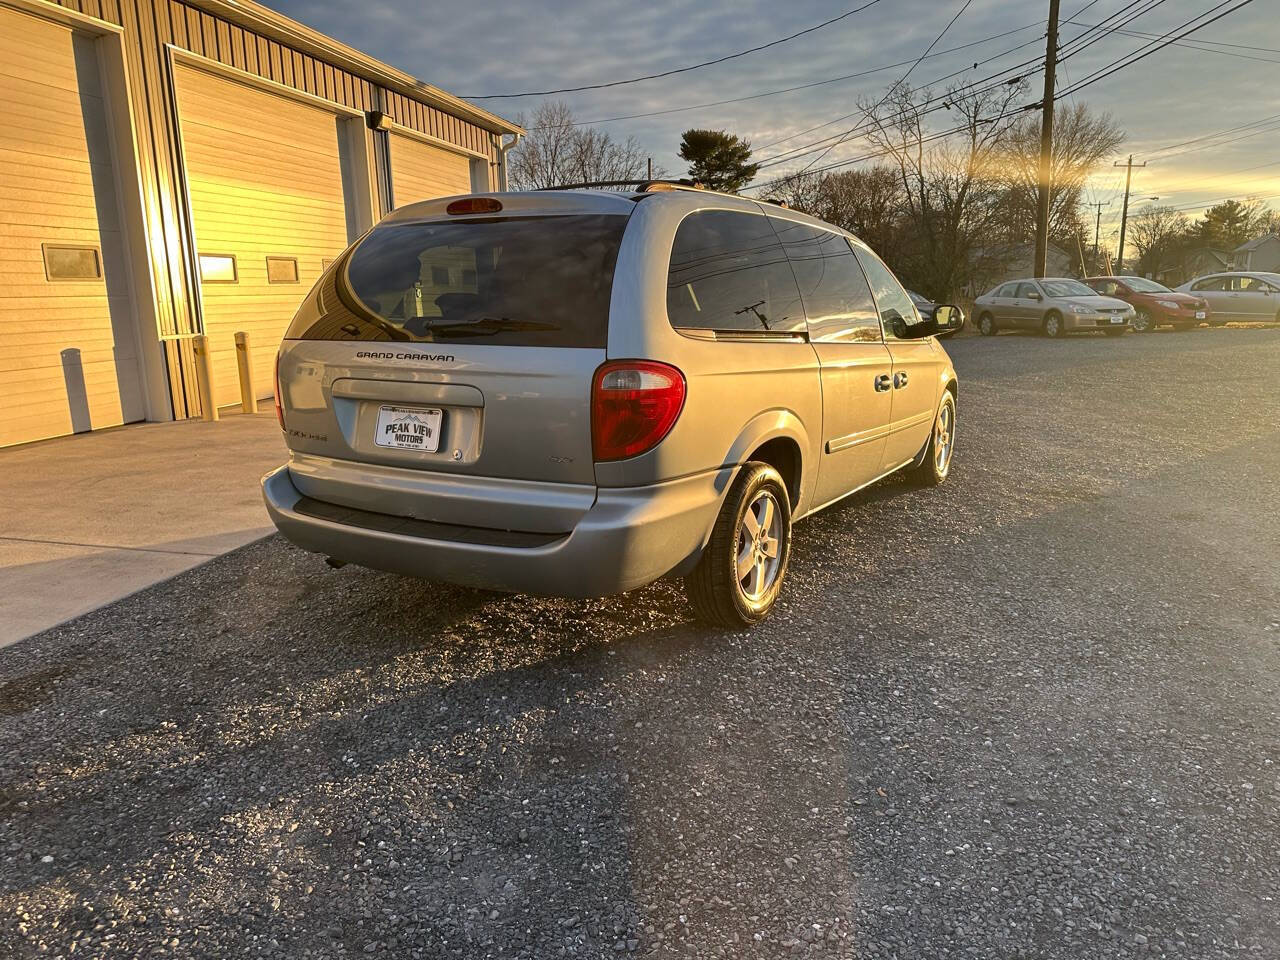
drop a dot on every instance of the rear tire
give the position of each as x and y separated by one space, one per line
987 325
721 593
1053 326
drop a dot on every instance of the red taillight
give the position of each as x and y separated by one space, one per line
279 409
474 205
634 404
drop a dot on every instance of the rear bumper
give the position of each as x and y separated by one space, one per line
629 537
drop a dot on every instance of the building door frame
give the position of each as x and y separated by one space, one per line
109 49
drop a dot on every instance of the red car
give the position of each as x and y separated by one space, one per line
1154 303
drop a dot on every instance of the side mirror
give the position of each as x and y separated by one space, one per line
911 331
1035 295
947 316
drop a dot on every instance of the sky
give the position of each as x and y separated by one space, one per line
1227 76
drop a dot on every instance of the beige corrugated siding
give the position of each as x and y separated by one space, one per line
420 171
264 178
46 196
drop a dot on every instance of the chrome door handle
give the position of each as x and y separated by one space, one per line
882 383
899 380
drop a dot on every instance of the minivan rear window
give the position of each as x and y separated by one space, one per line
515 281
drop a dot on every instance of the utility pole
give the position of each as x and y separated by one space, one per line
1097 226
1124 211
1046 143
650 176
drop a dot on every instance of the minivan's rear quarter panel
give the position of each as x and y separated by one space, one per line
740 393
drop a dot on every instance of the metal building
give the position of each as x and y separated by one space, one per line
174 167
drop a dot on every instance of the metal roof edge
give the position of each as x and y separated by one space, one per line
254 16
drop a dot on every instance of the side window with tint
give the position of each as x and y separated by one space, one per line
728 273
894 304
1213 283
836 297
1027 291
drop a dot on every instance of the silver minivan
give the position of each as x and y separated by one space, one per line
576 393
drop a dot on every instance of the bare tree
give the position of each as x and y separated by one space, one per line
557 151
1081 141
947 190
1157 232
868 202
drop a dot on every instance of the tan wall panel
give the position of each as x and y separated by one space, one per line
264 179
420 171
41 129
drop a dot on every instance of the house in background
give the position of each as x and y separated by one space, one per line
995 264
1259 254
1194 263
170 168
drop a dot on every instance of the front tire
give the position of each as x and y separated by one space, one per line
936 465
1053 326
1142 322
739 577
987 325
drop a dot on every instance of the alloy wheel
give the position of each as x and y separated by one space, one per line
1142 322
944 437
759 542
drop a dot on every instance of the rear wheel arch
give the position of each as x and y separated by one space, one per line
776 437
784 455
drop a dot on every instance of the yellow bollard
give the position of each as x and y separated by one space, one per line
248 399
204 376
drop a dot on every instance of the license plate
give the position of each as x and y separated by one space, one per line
1117 319
409 428
1199 314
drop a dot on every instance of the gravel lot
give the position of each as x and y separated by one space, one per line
1034 713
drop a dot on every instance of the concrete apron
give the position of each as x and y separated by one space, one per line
88 519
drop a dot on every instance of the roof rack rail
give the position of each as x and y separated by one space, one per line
657 186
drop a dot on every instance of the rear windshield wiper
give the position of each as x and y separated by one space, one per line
488 326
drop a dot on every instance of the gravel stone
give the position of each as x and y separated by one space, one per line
1031 713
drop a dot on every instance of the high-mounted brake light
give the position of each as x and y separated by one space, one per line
474 205
634 404
279 408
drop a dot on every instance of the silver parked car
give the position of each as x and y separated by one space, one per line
1238 296
576 393
1052 305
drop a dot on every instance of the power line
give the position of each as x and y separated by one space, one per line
1210 136
1191 44
1108 70
812 145
1215 43
1129 59
668 73
896 84
806 86
978 86
1223 143
1205 204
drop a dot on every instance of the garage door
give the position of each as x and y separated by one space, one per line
420 171
64 367
264 178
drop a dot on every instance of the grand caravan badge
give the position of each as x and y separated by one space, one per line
388 355
409 428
